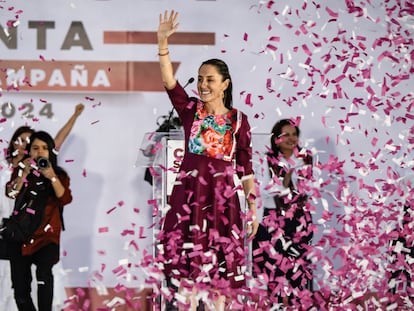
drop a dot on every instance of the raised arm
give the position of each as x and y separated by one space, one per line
65 130
167 26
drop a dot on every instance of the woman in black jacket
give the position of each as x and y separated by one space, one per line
284 236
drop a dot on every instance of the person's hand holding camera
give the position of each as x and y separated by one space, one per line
44 168
26 166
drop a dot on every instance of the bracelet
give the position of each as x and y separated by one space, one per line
53 179
164 54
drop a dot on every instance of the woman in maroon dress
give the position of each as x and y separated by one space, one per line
203 235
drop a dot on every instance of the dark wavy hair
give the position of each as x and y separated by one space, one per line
277 131
45 137
10 149
223 69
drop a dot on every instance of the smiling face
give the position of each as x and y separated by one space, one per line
288 140
210 84
38 149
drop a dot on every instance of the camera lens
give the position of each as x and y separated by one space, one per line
42 162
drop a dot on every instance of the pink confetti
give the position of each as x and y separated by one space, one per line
303 29
323 121
248 100
274 39
271 47
134 245
141 234
111 210
306 50
127 232
103 229
30 211
331 13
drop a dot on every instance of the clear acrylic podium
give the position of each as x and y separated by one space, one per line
160 154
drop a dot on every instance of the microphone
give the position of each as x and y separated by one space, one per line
191 80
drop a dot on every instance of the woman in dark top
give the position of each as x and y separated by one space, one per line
287 222
40 189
